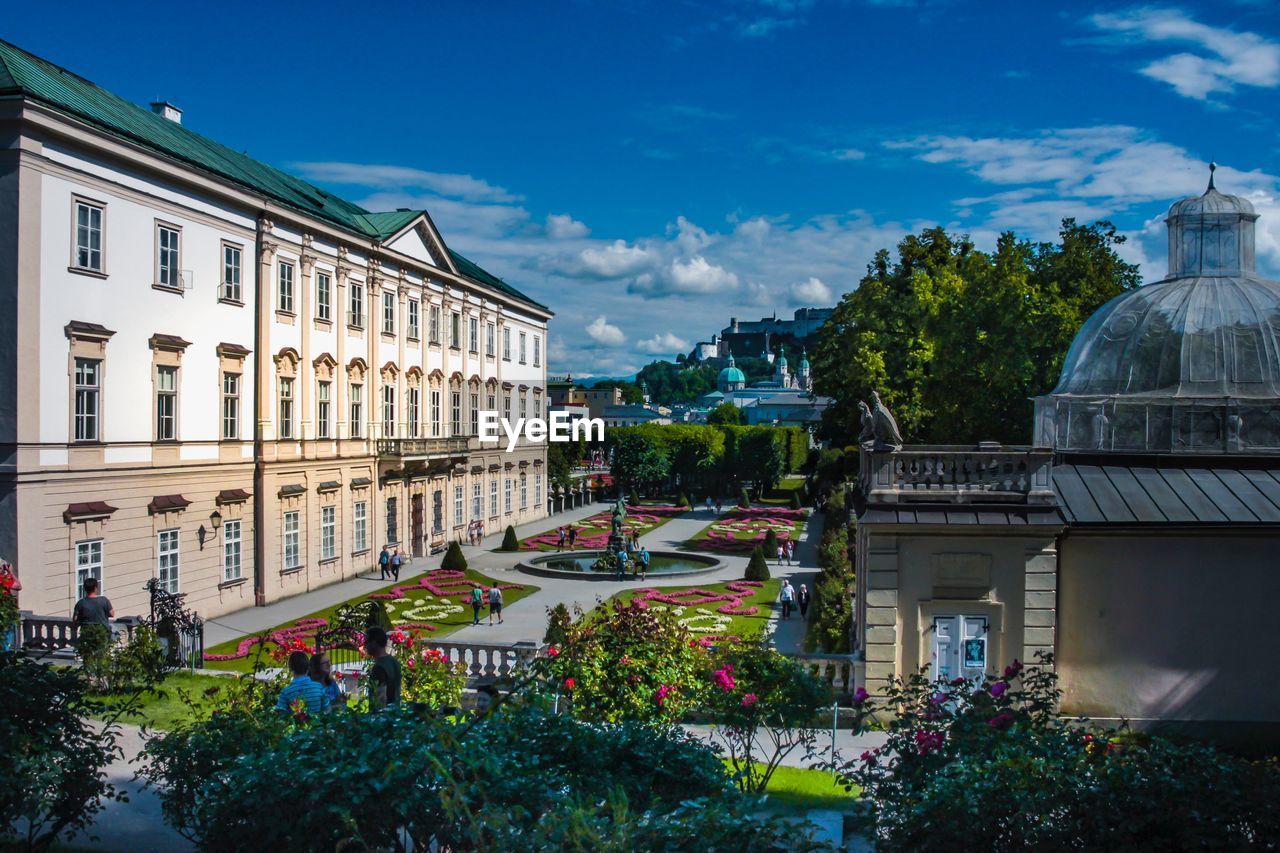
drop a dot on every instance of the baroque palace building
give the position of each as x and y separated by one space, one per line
215 374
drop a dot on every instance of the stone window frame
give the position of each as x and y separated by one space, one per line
231 360
435 402
292 263
357 377
324 322
287 362
167 225
167 351
88 342
413 319
455 404
356 295
323 366
329 501
413 382
361 500
77 200
390 376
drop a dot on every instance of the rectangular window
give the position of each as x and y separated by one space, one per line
493 497
231 553
477 501
166 403
230 406
456 412
167 274
285 301
360 526
435 414
324 297
412 415
434 324
88 237
88 389
393 519
524 492
328 532
290 539
492 400
506 495
537 489
457 505
537 351
506 344
522 347
389 411
88 564
286 407
473 334
167 559
231 272
475 414
506 407
489 332
414 331
355 310
323 409
455 330
388 312
357 410
437 511
523 405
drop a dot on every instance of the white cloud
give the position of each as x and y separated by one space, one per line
663 343
1234 58
562 226
616 260
400 178
602 331
812 292
848 154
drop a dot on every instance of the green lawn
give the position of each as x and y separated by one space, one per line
418 605
738 531
709 622
801 789
181 697
780 495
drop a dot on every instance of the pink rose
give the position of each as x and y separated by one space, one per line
860 696
569 683
749 700
998 689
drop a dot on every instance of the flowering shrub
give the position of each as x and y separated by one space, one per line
765 707
593 531
410 606
986 764
427 676
631 663
740 530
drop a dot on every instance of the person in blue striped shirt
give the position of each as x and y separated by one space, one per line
303 687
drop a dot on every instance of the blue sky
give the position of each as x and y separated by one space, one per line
649 169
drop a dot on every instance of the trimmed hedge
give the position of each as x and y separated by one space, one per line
509 540
757 567
454 560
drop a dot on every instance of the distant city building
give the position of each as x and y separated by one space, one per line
566 392
763 336
632 415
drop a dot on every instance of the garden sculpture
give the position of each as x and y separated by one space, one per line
887 436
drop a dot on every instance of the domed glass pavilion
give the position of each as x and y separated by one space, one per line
1189 364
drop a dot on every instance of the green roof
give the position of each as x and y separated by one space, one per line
26 75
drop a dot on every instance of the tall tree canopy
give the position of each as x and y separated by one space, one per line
956 340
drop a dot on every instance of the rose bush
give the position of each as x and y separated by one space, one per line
987 764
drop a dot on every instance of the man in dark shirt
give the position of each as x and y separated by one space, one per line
384 674
93 608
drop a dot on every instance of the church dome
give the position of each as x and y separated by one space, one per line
731 378
1187 364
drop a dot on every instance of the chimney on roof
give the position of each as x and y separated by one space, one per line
164 109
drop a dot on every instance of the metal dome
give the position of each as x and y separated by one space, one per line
731 378
1187 364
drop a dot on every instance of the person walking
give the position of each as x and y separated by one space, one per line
719 506
802 599
384 563
477 604
573 535
322 674
384 672
560 537
622 563
644 564
302 689
782 551
495 603
791 550
93 609
786 596
395 564
709 504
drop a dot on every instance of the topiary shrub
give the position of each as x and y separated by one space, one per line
558 622
509 540
454 560
770 543
683 500
744 500
757 566
795 499
633 499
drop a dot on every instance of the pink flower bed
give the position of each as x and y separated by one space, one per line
732 600
593 532
441 583
743 529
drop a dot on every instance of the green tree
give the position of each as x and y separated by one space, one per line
631 393
725 413
956 340
639 460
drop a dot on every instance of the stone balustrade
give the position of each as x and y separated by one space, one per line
960 474
57 635
842 672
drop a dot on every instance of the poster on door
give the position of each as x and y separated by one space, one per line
974 652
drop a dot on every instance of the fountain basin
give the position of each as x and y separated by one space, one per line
577 565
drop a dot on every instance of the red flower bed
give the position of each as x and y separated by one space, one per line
593 531
742 529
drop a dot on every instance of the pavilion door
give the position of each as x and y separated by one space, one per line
419 533
959 647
